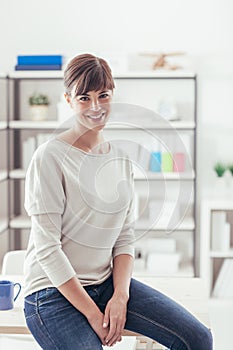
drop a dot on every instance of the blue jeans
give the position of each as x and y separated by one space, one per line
56 324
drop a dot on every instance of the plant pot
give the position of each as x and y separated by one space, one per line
221 186
39 112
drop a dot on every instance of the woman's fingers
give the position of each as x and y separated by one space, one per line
115 333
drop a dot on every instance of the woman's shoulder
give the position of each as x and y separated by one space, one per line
49 150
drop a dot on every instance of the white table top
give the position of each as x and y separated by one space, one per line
190 292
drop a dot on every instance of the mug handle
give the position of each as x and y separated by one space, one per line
19 285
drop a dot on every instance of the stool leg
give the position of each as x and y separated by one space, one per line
149 345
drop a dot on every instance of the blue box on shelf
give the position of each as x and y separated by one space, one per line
39 60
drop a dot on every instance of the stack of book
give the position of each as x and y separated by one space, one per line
39 62
162 257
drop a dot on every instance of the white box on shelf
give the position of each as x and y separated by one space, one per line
161 245
163 263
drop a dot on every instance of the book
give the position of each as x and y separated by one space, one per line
218 226
223 287
38 67
39 60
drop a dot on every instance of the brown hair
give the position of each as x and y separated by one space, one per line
88 73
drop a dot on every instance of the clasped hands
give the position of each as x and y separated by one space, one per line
109 326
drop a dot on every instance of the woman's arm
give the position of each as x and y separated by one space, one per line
123 255
115 313
122 272
46 233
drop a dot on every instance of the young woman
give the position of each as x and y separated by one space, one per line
79 293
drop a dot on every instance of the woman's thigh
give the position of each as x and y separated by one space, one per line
56 324
153 314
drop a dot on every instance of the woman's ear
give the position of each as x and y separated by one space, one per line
68 99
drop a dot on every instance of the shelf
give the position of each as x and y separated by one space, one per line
139 176
54 124
219 254
3 175
20 222
36 74
29 124
150 176
24 222
219 204
3 225
17 174
184 271
178 74
144 225
178 124
3 125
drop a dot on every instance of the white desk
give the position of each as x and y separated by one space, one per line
190 292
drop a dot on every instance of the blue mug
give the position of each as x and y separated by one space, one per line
7 297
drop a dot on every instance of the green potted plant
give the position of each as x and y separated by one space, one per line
221 186
38 106
220 169
230 168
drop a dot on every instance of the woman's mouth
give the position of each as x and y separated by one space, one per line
96 118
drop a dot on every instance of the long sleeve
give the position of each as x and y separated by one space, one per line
46 234
125 242
44 192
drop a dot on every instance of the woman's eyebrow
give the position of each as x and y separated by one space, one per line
103 91
84 94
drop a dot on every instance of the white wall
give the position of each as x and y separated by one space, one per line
202 28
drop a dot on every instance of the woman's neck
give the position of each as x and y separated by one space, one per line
91 141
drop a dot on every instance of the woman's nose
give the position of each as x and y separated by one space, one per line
95 106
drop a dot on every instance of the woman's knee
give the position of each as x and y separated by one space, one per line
202 340
206 342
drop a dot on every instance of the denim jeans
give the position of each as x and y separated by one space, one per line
56 324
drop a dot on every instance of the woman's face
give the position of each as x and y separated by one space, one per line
92 108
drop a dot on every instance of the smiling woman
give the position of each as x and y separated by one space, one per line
78 267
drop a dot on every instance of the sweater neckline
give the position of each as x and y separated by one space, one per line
84 152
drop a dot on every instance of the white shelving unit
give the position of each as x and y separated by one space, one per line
212 260
3 159
140 84
4 182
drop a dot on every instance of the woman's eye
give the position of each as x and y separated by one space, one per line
83 98
104 96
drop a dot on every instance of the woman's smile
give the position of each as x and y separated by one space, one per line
96 117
